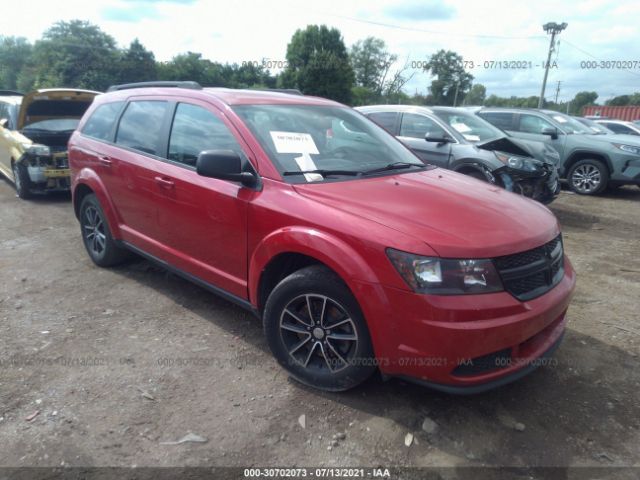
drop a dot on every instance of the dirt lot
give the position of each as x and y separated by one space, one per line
119 361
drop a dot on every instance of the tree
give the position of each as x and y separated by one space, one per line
74 54
136 64
371 63
14 54
476 95
450 76
581 100
619 101
318 64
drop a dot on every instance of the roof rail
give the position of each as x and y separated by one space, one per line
290 91
9 93
127 86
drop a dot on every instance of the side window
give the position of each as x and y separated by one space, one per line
617 128
418 126
100 124
386 120
503 120
532 124
196 129
141 125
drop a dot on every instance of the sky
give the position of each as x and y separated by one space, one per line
481 31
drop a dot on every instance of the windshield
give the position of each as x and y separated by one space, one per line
54 125
597 128
321 138
570 125
470 127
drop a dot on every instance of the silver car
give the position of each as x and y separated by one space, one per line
455 139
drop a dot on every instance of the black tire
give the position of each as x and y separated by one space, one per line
96 235
588 177
21 181
311 315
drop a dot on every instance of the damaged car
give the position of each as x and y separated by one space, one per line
34 131
457 140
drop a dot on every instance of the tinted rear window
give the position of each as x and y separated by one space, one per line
503 120
100 124
141 126
386 120
57 108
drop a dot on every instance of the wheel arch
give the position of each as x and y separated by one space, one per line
290 249
86 183
578 155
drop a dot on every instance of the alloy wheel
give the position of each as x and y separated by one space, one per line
94 231
586 178
318 333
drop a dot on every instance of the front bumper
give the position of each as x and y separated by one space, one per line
467 343
629 172
48 173
543 188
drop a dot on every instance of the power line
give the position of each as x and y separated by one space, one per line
433 32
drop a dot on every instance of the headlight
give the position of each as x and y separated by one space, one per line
37 150
627 148
444 276
518 163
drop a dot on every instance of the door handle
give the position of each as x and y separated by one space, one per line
164 182
104 160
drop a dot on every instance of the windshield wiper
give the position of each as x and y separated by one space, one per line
394 166
324 173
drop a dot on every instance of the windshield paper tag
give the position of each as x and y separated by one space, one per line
291 142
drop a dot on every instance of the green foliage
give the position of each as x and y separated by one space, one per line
448 69
14 54
476 95
581 100
136 64
623 100
74 54
371 63
318 64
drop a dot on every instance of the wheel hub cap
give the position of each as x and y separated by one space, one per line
318 333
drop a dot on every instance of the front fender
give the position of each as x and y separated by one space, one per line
326 248
88 178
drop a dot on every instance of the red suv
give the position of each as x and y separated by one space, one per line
355 254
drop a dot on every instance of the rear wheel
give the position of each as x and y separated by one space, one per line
21 180
588 177
96 234
316 330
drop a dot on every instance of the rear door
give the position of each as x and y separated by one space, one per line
413 129
203 221
129 167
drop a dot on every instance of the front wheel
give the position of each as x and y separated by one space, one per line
21 180
588 177
316 330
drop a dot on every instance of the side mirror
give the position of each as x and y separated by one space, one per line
552 132
224 165
4 122
438 138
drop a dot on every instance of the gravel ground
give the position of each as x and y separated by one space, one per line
116 363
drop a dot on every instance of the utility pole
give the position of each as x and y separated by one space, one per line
455 97
554 29
557 91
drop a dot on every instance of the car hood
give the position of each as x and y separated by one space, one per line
26 115
504 144
456 215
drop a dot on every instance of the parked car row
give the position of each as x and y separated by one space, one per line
590 162
356 255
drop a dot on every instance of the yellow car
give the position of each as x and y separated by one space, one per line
34 131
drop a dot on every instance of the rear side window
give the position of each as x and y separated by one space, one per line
100 123
418 126
196 129
141 126
617 128
503 120
533 124
386 120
